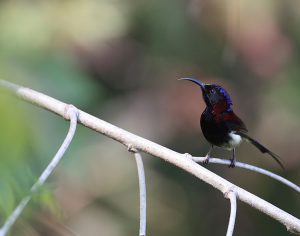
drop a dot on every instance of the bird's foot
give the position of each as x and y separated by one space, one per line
206 160
232 163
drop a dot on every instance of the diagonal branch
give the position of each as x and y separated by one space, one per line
71 112
142 187
252 168
180 160
231 195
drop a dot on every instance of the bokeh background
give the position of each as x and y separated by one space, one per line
120 60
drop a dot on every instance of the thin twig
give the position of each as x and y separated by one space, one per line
72 114
251 168
180 160
231 195
142 187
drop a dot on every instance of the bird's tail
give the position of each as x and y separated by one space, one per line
261 148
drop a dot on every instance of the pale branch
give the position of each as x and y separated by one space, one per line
72 114
251 168
142 188
182 161
231 195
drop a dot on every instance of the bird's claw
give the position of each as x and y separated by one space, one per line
232 163
206 160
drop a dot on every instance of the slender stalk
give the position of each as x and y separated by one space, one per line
231 195
72 114
142 187
251 168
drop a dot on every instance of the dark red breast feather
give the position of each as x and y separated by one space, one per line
234 123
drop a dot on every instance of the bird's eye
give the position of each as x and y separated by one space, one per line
213 91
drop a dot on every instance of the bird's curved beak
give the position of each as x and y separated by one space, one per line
198 82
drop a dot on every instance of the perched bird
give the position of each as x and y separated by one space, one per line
220 125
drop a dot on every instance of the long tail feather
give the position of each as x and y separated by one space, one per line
262 148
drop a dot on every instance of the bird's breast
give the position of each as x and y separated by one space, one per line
218 131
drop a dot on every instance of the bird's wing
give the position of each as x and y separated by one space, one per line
233 122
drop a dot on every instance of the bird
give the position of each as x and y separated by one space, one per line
220 126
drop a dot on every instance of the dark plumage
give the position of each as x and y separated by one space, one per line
220 125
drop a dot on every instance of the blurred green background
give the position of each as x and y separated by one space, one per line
119 60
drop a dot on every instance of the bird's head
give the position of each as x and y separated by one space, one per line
215 97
